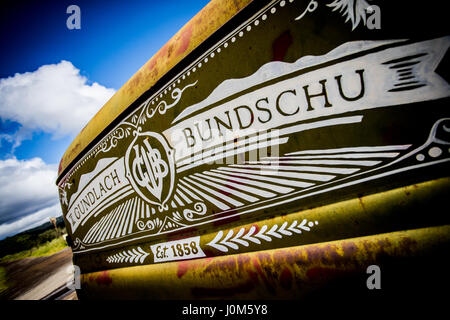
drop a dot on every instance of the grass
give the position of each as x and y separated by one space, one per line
45 249
3 285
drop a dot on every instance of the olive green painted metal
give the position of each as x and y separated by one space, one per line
271 149
216 13
286 273
415 206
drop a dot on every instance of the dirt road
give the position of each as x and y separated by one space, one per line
34 278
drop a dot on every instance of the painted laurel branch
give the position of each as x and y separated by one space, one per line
252 236
199 210
130 256
162 106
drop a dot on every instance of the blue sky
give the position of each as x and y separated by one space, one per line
52 80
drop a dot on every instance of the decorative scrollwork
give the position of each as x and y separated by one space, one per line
135 121
162 106
149 225
199 210
78 244
113 138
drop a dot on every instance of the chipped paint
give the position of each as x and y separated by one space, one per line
303 239
282 273
359 220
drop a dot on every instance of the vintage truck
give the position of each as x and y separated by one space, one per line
270 150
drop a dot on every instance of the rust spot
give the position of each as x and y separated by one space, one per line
103 279
73 151
324 274
281 45
152 63
362 203
154 73
314 253
253 276
242 260
182 268
287 256
324 254
208 253
261 273
332 255
367 245
220 292
163 52
236 4
170 50
185 39
228 264
134 82
384 243
257 266
264 256
407 244
349 248
286 278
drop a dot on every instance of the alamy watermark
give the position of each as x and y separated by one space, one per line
74 20
374 18
355 11
374 280
74 281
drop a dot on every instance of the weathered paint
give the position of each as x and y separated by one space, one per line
199 28
359 165
314 168
279 273
397 209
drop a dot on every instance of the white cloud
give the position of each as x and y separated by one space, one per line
55 99
16 138
30 221
27 193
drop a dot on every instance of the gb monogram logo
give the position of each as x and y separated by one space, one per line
149 167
